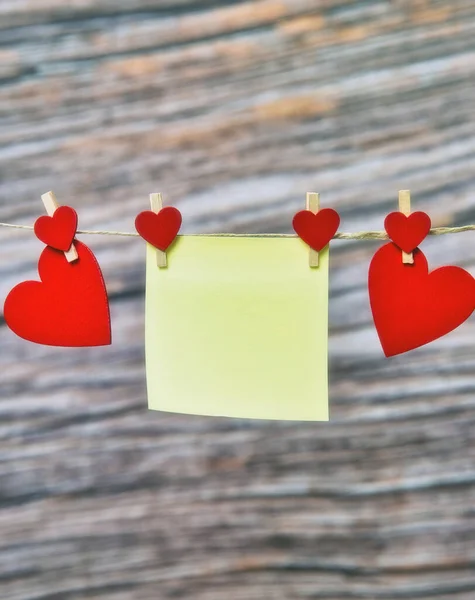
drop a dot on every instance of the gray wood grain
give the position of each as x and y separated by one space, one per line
234 110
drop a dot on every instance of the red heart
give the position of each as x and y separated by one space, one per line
316 230
412 307
408 232
159 229
59 230
68 307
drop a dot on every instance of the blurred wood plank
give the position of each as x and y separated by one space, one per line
235 110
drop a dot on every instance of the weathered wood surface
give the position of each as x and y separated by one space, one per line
234 110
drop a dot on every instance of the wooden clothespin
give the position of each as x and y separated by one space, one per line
157 204
405 208
51 204
313 204
316 227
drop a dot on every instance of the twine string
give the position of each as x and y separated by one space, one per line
361 235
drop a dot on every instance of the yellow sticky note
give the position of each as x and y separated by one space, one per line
238 327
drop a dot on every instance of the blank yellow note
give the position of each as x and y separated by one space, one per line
238 327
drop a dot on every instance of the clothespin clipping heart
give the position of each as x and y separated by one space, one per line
58 231
408 231
68 306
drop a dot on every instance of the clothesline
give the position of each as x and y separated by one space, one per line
362 235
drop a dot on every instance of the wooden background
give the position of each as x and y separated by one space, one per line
235 109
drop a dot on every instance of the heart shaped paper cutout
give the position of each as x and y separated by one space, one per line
59 230
159 229
412 307
408 232
316 230
68 307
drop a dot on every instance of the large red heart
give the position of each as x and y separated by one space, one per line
59 230
317 230
408 232
412 307
159 229
68 307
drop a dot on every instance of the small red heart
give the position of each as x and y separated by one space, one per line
68 307
59 230
317 230
412 307
408 232
159 229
